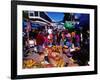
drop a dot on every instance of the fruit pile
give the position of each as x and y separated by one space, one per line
50 57
30 63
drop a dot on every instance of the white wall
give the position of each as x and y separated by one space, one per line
5 30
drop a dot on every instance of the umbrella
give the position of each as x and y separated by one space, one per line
68 25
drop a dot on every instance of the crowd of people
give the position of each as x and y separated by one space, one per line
51 47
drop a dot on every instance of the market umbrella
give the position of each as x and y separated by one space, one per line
69 25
